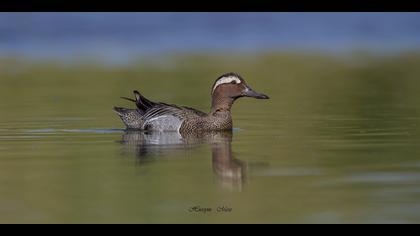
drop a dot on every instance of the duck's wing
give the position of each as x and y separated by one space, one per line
164 116
163 109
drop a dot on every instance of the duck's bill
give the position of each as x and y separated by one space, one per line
251 93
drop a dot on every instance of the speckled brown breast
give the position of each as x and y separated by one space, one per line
218 121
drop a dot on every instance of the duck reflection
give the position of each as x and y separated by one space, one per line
229 172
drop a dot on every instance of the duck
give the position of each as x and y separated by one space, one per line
158 116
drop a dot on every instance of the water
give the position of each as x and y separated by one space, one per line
121 37
338 142
335 170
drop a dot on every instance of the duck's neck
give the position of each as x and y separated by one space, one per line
221 104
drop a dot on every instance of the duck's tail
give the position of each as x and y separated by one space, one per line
142 103
130 117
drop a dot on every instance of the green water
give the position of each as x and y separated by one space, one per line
338 142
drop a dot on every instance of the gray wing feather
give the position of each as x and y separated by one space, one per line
168 117
163 109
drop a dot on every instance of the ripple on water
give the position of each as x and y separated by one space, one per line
375 178
289 172
13 134
383 177
101 131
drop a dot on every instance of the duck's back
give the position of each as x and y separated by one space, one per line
156 116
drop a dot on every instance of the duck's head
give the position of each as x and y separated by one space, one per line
232 85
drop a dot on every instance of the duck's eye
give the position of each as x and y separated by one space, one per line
233 82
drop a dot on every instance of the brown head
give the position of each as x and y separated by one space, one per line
229 87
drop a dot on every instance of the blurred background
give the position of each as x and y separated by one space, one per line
120 37
338 142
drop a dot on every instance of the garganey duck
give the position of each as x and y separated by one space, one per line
167 117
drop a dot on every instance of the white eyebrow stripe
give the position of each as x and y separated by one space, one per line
226 80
